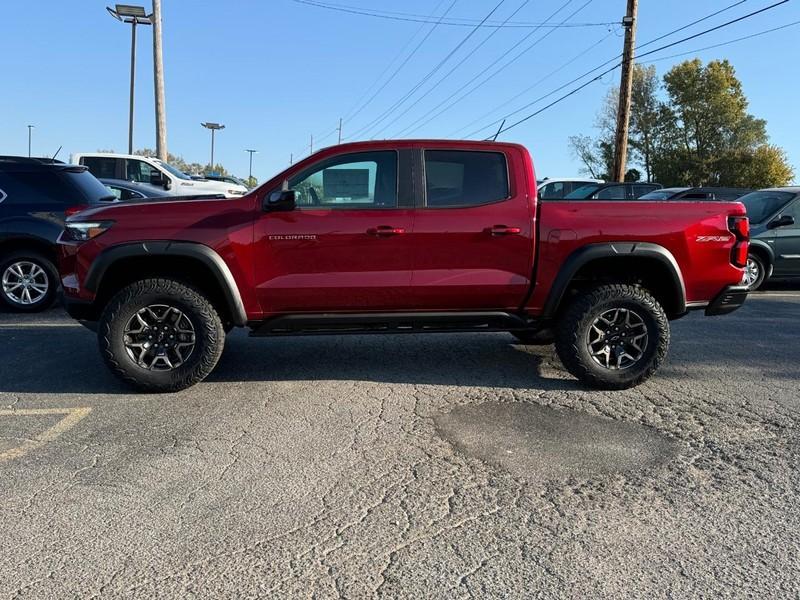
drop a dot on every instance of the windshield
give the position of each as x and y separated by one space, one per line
762 205
582 192
175 171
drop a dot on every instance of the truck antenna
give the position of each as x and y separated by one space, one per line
57 151
499 129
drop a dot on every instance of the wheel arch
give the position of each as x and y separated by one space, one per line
651 264
190 262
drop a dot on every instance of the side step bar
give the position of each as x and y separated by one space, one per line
409 322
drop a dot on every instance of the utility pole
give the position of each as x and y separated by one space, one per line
30 127
250 177
158 74
625 87
311 145
214 127
291 158
340 130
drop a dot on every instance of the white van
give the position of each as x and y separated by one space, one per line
555 188
148 169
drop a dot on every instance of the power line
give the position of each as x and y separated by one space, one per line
416 124
361 106
576 79
600 66
733 41
451 71
430 74
536 83
590 71
453 21
413 52
670 45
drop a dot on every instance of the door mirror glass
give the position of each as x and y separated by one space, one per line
781 221
281 201
157 178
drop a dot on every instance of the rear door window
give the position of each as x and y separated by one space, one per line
101 166
458 178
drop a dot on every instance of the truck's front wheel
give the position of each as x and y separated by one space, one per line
613 337
160 335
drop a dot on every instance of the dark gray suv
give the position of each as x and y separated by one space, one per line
774 235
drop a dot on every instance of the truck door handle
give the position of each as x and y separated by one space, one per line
503 230
385 231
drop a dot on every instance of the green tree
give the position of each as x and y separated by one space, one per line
699 134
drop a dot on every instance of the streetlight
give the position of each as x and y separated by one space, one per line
30 127
135 15
250 177
213 127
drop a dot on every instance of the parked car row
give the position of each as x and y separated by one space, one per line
152 171
36 195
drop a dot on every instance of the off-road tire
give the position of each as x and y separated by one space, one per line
573 330
208 330
50 272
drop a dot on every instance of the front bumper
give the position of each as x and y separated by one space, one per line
727 301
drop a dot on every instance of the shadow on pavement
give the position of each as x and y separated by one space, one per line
51 354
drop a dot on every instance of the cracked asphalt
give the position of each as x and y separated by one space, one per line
439 466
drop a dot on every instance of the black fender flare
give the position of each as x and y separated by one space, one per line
194 250
590 252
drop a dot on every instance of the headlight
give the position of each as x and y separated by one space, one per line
82 231
236 192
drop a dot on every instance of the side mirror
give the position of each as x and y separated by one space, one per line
282 201
781 221
160 180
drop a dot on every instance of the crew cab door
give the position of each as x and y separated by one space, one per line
473 231
346 246
787 243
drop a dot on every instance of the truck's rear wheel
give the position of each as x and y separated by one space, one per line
159 335
613 337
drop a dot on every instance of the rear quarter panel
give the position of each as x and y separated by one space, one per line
696 233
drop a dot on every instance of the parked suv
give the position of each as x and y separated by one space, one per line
398 237
612 191
775 247
35 197
150 170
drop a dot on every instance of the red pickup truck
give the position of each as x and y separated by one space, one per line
395 237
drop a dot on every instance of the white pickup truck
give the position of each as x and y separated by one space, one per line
151 170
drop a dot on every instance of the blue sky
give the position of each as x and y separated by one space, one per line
276 71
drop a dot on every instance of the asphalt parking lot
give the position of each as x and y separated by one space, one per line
404 466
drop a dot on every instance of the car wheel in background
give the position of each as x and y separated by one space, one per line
28 281
613 337
159 335
755 272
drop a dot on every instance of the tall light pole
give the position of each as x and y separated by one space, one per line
158 88
135 15
250 176
30 127
214 127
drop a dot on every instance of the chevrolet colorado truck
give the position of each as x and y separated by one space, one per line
400 237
